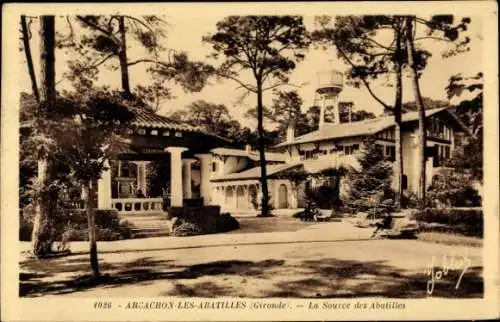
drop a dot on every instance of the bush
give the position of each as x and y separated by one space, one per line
71 225
466 221
186 228
226 222
325 197
409 200
452 189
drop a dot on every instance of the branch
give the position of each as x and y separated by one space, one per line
248 87
281 84
365 82
97 64
97 27
151 61
139 21
431 37
377 43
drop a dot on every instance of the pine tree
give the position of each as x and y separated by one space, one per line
371 184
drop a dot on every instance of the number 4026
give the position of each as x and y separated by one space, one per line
102 305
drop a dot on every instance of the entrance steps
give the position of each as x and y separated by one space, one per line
147 225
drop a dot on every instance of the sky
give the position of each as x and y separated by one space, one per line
186 31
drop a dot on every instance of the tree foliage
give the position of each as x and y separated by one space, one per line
468 154
265 49
96 41
371 184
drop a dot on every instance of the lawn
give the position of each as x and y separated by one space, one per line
270 224
450 239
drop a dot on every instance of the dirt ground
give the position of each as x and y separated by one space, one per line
322 260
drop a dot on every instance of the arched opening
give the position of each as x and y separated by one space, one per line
252 197
229 200
282 196
240 198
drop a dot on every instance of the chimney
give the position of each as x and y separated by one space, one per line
248 148
290 132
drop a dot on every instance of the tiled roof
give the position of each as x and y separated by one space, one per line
146 118
252 155
254 173
366 127
270 156
149 119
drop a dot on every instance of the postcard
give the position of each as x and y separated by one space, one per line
250 161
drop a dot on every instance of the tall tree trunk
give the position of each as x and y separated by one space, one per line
122 55
263 177
29 58
47 60
398 162
421 111
89 210
41 240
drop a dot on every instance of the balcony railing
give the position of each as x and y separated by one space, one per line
137 205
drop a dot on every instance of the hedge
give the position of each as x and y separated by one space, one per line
71 225
466 221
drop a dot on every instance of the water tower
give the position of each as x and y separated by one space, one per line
330 84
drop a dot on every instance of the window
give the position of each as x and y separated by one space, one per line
390 152
214 166
438 129
350 149
442 152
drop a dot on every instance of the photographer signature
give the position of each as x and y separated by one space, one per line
449 263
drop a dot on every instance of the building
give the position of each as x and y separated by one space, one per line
335 145
236 183
201 167
236 179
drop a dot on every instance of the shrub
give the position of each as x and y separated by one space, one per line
325 197
452 189
409 200
186 228
226 222
71 225
466 221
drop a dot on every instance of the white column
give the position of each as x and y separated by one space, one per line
104 189
175 175
144 182
186 177
141 176
205 164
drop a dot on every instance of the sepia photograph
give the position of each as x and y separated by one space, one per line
234 159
